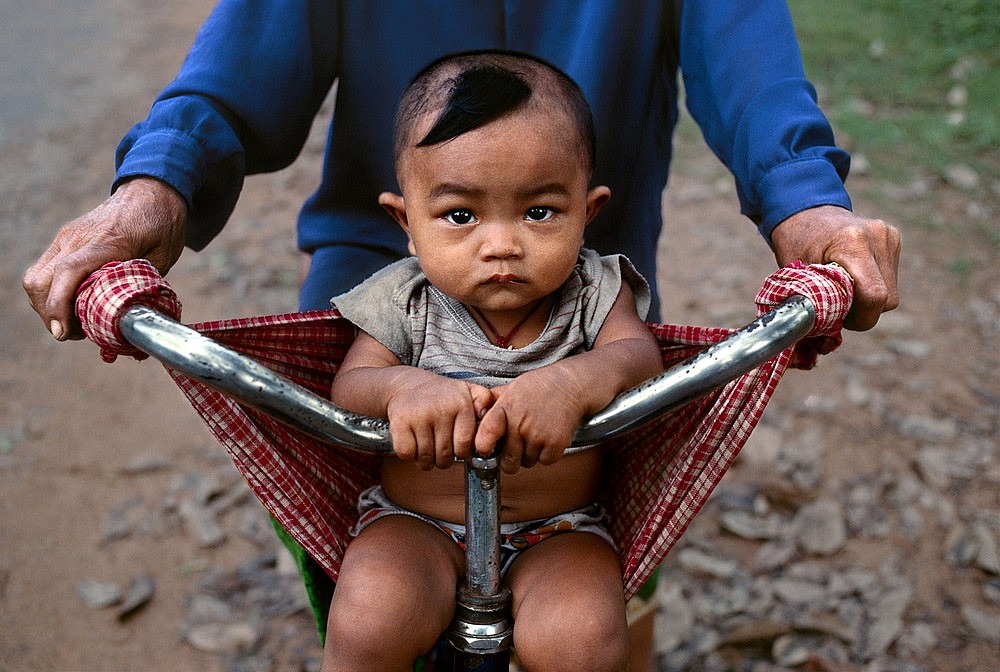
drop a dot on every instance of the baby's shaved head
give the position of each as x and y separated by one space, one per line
468 90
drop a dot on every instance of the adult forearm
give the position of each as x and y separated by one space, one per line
746 88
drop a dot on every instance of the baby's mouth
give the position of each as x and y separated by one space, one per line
504 278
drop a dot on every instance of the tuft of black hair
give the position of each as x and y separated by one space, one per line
481 94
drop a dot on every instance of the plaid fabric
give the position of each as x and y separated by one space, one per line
661 474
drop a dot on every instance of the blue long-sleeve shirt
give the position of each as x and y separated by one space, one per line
258 71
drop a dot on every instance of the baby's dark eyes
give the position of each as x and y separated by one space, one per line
460 217
538 213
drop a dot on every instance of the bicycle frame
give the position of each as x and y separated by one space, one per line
482 630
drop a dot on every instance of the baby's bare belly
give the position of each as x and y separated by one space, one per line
538 492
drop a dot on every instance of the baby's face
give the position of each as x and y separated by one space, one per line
496 216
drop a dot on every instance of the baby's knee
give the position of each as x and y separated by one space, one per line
573 639
379 625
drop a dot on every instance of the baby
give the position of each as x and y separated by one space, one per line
501 327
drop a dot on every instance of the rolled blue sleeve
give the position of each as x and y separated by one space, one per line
747 90
242 103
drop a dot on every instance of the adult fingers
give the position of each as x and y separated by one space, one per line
871 256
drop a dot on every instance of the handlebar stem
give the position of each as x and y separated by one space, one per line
482 624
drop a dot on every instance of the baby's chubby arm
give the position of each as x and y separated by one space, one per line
432 419
538 412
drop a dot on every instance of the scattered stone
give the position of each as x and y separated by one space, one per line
897 323
911 522
827 623
987 559
119 522
203 608
749 526
138 595
926 428
991 591
207 486
773 555
697 561
961 176
864 510
860 164
675 618
961 546
801 462
99 594
820 528
253 524
701 642
763 446
818 404
231 638
783 494
910 348
958 95
798 592
756 631
145 464
235 495
885 612
200 523
793 650
934 466
853 581
983 624
916 640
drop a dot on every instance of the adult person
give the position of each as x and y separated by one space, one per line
258 72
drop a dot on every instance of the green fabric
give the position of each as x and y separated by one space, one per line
647 589
319 586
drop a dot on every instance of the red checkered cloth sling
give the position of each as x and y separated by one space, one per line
660 474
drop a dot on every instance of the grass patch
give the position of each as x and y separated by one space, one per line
911 84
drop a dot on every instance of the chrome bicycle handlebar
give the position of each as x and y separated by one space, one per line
253 384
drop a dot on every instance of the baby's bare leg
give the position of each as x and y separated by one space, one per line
395 595
569 605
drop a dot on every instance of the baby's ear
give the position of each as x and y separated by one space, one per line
596 198
395 206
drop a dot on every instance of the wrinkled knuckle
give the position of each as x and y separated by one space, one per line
854 235
31 281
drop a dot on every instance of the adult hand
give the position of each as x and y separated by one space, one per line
868 249
144 218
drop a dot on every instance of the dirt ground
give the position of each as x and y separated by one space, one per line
70 424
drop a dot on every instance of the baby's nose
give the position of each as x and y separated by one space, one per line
500 241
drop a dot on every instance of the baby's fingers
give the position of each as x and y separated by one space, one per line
404 443
491 430
427 448
466 422
464 434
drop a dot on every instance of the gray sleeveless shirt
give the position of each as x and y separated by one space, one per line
425 328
